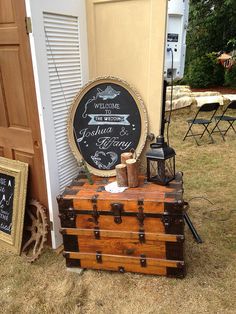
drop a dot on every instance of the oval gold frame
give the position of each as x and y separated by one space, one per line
141 107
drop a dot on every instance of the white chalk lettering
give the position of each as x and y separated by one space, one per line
4 217
124 132
5 227
106 142
3 181
103 106
104 119
84 133
4 212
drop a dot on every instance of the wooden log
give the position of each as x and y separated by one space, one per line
125 156
121 175
132 172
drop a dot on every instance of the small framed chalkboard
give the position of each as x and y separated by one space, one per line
107 118
13 186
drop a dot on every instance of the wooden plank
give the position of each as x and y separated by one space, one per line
18 98
8 36
84 203
149 236
125 259
4 121
6 12
122 247
13 86
131 193
128 224
119 243
142 182
82 200
18 138
117 266
173 186
29 159
130 23
153 196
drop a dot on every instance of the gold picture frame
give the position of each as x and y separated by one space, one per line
13 187
140 106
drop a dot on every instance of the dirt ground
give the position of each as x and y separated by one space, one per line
209 287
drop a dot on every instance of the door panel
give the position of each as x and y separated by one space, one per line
6 11
12 86
19 124
4 121
59 52
126 39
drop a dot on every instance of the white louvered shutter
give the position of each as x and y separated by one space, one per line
65 76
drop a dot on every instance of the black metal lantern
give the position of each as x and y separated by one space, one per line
160 162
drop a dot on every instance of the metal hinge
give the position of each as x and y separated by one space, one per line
51 226
166 220
99 257
141 236
121 269
95 213
143 260
96 232
140 215
28 25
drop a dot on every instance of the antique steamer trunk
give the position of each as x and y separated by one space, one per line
139 230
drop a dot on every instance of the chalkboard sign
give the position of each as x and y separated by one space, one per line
13 186
107 118
7 184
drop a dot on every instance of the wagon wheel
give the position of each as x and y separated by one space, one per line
35 231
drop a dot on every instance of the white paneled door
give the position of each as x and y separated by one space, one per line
60 60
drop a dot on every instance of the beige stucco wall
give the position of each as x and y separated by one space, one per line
127 40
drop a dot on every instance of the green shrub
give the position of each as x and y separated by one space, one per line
205 71
230 77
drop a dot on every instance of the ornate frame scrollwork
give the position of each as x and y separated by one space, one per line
19 171
75 104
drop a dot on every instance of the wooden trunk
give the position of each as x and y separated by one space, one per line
139 230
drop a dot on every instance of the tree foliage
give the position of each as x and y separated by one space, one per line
204 71
212 28
230 77
212 24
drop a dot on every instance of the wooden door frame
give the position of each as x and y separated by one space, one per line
33 112
27 144
46 125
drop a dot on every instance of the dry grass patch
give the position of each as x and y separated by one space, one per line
210 285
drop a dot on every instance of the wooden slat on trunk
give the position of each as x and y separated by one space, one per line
126 259
149 236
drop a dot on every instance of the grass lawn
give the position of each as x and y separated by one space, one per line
209 287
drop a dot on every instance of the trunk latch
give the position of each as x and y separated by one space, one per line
95 213
117 209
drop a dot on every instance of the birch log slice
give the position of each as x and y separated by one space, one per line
126 156
121 175
132 172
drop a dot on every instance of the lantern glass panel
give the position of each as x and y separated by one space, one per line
170 168
162 171
153 168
